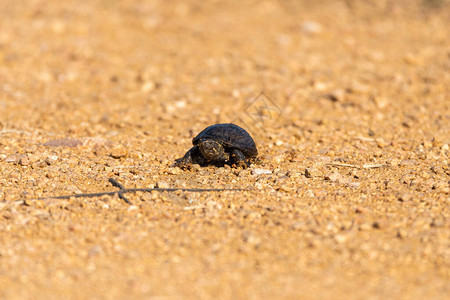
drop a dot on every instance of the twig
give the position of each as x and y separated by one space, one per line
374 166
11 131
343 165
365 166
123 190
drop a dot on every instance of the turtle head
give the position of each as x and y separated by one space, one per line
210 149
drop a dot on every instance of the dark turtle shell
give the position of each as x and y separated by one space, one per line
231 136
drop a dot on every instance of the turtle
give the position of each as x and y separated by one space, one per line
219 145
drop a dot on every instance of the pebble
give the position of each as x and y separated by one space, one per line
12 159
24 161
309 193
148 86
118 151
381 143
278 159
132 208
354 185
311 27
311 172
285 188
336 95
162 185
341 238
334 177
381 102
405 197
261 171
51 159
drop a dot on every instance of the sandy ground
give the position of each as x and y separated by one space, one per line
348 102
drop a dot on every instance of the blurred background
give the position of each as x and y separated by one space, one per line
77 66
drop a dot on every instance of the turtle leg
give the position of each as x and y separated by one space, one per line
237 158
222 160
191 157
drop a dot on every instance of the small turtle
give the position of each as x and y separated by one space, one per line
221 144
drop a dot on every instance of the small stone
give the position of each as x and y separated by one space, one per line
278 159
436 142
118 151
320 86
365 226
261 171
376 225
51 159
174 171
404 197
311 172
180 104
148 86
24 161
253 215
401 234
381 102
440 185
132 208
437 223
360 210
428 144
12 159
251 238
437 170
354 185
309 193
162 185
336 95
334 177
341 238
285 188
381 143
311 27
394 162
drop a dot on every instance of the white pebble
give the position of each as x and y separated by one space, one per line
311 27
261 171
132 208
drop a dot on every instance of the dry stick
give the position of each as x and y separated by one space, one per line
366 166
134 190
4 131
343 165
374 166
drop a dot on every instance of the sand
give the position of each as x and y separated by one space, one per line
348 102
